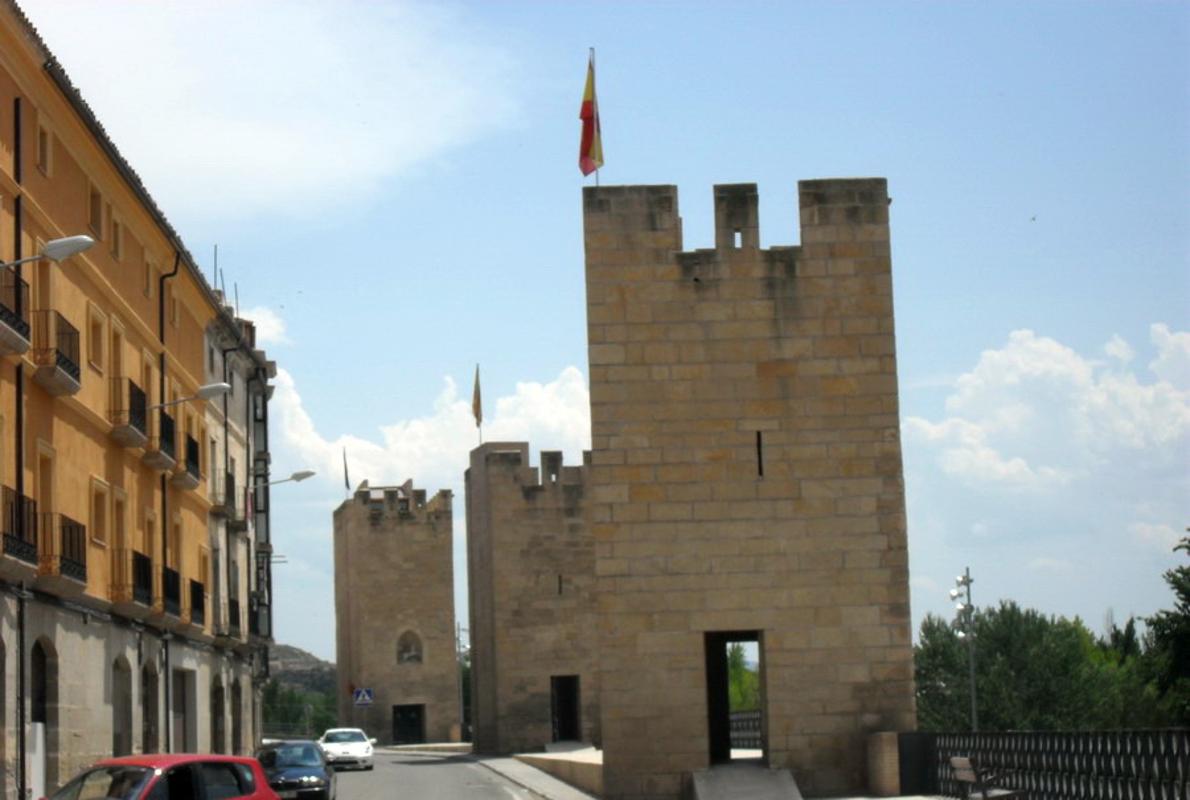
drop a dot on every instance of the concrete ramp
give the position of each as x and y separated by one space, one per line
745 782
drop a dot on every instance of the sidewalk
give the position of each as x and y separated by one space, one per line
532 778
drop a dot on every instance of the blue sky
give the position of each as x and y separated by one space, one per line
394 191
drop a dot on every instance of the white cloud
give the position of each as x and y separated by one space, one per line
433 449
1119 349
270 328
1162 537
229 108
1036 415
1173 355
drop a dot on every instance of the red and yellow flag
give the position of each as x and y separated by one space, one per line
590 150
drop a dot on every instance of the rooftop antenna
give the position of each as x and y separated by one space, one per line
236 286
215 275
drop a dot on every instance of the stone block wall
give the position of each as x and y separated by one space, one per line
531 567
394 587
746 476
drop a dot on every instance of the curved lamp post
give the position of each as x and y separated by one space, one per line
56 250
204 392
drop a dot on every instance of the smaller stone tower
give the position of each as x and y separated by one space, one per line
531 562
394 614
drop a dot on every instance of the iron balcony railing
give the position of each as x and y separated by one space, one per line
20 525
192 455
165 435
233 616
171 584
63 546
198 605
142 578
14 302
129 405
133 577
56 342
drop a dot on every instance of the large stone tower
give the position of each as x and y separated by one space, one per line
531 568
746 483
394 614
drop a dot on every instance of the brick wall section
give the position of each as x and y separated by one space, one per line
393 573
693 356
531 567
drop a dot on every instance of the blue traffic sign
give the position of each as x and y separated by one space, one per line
362 697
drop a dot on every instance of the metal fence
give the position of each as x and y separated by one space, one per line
745 730
1072 765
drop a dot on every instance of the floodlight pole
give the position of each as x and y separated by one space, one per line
968 616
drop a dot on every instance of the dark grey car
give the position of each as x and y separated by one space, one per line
297 769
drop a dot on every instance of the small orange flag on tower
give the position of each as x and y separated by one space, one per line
590 150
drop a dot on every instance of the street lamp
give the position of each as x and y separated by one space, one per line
965 622
296 477
56 250
204 392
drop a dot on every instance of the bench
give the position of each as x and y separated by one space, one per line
977 780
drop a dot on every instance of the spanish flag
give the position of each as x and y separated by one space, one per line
590 151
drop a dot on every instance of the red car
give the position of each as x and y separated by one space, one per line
170 776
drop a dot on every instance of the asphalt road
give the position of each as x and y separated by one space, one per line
405 777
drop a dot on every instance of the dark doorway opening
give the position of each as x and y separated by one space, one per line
409 724
564 708
735 696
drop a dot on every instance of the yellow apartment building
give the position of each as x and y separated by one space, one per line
134 577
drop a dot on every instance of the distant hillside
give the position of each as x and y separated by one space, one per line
297 669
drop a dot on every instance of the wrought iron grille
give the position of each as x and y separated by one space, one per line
198 605
14 302
63 546
165 435
192 455
129 405
1093 765
171 587
56 342
142 578
20 526
745 730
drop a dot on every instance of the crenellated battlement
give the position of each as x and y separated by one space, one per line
402 502
512 458
619 220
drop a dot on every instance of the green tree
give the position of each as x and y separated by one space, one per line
1169 645
291 712
743 684
1033 672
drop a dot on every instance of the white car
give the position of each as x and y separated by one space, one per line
347 747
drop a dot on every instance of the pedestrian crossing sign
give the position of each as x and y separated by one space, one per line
362 697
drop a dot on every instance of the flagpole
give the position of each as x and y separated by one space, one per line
596 115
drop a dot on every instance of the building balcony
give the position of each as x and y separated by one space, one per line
198 605
14 315
132 583
223 493
128 414
161 453
189 477
171 583
19 523
62 554
237 513
56 353
233 617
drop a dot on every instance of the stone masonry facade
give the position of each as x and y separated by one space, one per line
532 565
394 613
746 476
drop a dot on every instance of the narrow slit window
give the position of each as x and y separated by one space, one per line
759 455
737 238
559 584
